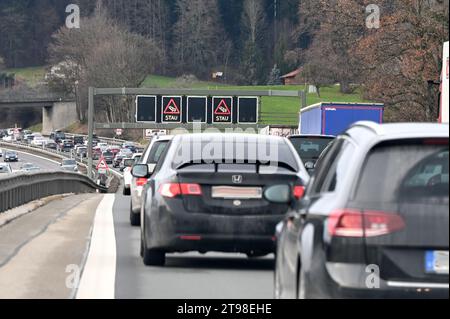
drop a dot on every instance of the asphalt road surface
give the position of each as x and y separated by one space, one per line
36 249
42 163
185 276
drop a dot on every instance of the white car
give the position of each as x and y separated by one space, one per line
103 146
151 157
8 138
5 169
128 164
38 141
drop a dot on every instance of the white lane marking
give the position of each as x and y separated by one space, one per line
99 274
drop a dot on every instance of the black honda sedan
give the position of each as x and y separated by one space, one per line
374 221
206 194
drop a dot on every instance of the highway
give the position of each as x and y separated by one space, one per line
185 276
41 162
37 249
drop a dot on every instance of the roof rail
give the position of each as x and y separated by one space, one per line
375 127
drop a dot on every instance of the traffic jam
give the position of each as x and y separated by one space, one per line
349 207
208 189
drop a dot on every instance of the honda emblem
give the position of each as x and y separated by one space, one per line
237 179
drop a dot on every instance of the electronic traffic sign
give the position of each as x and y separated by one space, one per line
146 109
248 110
172 109
222 110
197 109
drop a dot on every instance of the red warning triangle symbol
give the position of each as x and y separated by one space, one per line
222 108
102 164
172 108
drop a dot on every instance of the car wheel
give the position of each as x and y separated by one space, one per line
152 257
135 219
126 191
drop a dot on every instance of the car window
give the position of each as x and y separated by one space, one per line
339 168
310 148
157 150
248 150
162 158
409 172
323 168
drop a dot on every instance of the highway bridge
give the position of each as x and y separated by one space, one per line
58 111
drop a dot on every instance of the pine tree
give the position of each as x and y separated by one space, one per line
275 76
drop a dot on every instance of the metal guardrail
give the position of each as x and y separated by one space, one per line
19 189
82 161
111 141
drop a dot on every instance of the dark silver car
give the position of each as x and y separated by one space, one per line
374 220
206 194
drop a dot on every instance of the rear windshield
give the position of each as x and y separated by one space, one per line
310 147
407 172
248 150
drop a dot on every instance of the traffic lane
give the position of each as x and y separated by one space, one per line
42 163
185 276
36 249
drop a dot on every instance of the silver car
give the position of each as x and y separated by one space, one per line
151 157
69 165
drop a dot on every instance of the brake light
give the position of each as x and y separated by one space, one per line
141 181
354 223
191 189
172 190
299 192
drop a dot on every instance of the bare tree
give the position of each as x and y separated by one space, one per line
254 23
404 56
104 54
198 36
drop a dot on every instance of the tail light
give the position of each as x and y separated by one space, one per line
172 190
299 192
141 181
355 223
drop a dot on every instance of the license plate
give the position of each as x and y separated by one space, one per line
226 192
436 262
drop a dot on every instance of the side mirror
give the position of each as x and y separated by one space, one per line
140 171
279 194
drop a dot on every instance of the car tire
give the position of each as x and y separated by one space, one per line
126 191
135 219
153 257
